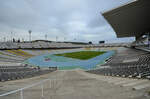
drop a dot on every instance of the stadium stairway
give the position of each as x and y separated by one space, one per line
75 84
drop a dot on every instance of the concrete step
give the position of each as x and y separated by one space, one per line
134 83
125 81
141 86
116 80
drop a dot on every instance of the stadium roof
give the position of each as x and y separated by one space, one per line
129 20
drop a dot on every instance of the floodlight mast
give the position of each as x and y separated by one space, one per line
64 38
4 39
56 38
30 35
11 36
45 36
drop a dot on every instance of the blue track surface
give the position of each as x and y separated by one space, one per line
50 60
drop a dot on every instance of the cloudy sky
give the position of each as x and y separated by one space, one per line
70 20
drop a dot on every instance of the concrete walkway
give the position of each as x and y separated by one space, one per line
75 84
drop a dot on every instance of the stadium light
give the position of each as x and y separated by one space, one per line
30 35
11 36
4 39
56 38
45 36
64 39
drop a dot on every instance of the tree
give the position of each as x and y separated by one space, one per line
18 40
90 42
101 42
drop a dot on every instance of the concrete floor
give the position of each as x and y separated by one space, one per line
75 84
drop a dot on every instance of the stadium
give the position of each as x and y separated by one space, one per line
43 69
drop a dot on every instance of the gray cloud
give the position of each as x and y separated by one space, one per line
70 19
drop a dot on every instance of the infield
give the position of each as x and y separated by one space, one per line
82 55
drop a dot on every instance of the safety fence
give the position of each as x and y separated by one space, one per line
42 90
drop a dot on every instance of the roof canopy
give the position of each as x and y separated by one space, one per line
130 20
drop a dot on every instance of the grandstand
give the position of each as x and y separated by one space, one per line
127 63
135 61
131 20
19 72
38 45
12 66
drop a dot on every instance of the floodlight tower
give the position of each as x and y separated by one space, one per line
64 39
4 39
11 37
75 37
56 38
45 36
30 35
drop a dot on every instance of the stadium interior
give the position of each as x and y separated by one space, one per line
129 61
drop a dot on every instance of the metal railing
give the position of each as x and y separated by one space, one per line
50 85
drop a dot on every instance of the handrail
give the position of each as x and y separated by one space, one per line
14 91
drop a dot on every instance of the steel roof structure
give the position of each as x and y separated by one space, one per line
130 20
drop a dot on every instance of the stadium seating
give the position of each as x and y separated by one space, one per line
19 72
119 66
20 53
37 45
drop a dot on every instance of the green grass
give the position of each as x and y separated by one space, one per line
82 55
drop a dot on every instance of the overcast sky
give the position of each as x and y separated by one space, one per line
70 20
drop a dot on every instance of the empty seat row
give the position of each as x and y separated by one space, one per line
12 73
117 67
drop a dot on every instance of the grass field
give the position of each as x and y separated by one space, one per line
82 55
